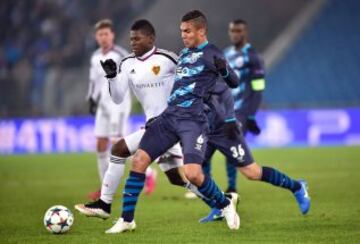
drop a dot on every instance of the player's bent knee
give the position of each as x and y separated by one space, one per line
251 176
194 176
120 149
252 171
140 161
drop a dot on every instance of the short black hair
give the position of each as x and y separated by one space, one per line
197 17
144 26
238 22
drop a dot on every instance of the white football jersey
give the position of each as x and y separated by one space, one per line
98 85
150 77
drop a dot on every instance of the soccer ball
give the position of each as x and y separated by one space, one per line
58 219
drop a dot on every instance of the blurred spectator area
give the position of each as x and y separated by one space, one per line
45 46
322 67
45 49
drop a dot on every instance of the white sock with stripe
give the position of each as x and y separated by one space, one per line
112 178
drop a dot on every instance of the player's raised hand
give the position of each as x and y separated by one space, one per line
109 66
220 65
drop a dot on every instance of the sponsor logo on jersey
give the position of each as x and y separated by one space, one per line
150 85
156 69
182 72
190 59
195 56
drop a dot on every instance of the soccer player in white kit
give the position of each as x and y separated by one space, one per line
149 72
110 118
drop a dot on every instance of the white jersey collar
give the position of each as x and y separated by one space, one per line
147 54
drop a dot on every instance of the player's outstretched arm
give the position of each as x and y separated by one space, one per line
226 72
118 82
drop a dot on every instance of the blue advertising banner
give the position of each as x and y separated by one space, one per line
279 129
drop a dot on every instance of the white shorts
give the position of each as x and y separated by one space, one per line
171 159
107 127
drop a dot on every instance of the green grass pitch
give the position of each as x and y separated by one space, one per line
31 184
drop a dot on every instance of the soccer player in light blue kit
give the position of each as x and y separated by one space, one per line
248 66
225 135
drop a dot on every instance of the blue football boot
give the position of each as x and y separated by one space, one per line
302 197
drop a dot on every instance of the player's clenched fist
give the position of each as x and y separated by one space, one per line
220 65
109 66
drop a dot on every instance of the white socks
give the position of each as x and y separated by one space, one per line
112 178
102 162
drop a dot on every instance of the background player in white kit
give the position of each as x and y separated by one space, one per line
110 118
149 72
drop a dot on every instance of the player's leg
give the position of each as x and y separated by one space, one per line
194 142
206 166
231 173
277 178
155 142
133 187
172 164
215 213
102 153
119 152
102 134
239 151
194 139
122 149
212 193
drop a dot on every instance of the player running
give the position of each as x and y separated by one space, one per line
110 118
227 137
149 72
184 120
248 66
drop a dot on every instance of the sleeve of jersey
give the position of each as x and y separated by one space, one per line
228 102
257 72
230 77
118 86
93 92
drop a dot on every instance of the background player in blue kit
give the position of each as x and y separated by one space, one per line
226 136
248 66
199 66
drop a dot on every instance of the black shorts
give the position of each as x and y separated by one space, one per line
235 150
